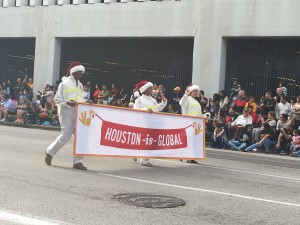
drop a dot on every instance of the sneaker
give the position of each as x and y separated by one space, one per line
3 120
48 159
79 166
254 150
192 161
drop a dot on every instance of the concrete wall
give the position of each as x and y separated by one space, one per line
208 21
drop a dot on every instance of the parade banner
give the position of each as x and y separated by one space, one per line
111 131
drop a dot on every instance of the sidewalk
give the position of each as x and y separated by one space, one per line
34 126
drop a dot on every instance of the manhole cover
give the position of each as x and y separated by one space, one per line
150 201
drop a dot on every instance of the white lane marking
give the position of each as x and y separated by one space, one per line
234 170
200 189
28 220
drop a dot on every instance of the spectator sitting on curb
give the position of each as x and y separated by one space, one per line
271 121
239 124
295 144
23 108
31 116
266 138
7 107
219 137
244 141
284 141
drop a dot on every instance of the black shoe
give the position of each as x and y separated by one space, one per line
48 159
79 166
192 161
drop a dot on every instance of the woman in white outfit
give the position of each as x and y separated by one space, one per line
147 103
190 106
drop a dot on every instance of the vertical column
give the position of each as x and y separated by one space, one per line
49 2
94 1
35 2
207 64
63 2
22 3
9 3
223 64
77 2
110 1
47 61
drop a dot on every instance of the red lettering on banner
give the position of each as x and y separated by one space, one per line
137 138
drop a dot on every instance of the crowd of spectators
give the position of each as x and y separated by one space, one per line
234 120
19 105
240 123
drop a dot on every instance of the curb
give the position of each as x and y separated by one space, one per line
32 126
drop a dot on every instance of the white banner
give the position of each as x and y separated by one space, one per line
110 131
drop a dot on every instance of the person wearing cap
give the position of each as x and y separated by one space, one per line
190 106
176 98
147 103
8 106
238 124
69 92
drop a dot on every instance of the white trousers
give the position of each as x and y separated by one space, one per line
67 119
144 161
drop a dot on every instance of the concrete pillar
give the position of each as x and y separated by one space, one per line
207 66
110 1
77 2
49 2
35 2
223 64
63 2
22 3
94 1
9 3
47 61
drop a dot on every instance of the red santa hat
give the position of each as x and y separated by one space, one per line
75 67
194 88
143 86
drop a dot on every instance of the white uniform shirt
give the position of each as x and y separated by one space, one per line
147 102
190 106
68 90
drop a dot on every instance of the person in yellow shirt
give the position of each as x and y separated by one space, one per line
252 103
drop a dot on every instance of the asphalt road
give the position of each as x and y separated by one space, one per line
227 188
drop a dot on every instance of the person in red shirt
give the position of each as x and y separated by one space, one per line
96 93
252 114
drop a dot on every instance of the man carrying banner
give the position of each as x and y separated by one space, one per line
146 102
69 92
190 106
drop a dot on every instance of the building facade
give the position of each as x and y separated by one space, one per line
212 25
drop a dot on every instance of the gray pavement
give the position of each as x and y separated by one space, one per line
227 188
